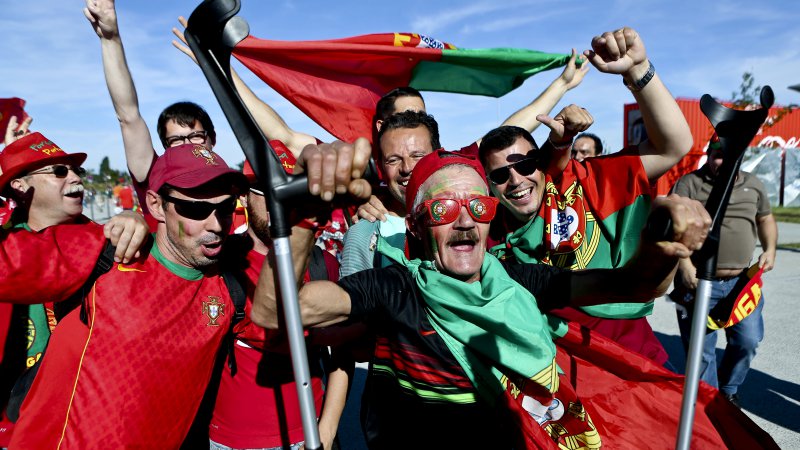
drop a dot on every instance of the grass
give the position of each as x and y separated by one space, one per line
783 214
792 245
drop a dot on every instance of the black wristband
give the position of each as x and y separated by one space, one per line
642 82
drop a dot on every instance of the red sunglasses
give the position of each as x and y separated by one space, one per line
441 211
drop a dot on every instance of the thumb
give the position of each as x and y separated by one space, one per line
549 122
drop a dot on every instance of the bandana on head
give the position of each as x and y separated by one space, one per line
430 164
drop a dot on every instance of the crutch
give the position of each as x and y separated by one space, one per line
212 32
735 130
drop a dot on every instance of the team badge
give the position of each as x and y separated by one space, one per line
565 218
213 309
200 151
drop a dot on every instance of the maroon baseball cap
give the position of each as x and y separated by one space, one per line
31 152
191 165
432 163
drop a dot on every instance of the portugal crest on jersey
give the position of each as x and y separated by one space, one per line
213 309
565 218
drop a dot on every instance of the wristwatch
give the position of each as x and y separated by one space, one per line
642 82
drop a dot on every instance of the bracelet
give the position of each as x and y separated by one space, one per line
559 146
639 85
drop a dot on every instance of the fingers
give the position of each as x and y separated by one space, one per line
334 168
127 231
15 131
690 222
372 210
551 123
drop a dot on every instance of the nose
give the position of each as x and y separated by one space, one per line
465 220
515 179
406 168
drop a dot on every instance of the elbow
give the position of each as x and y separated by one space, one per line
263 316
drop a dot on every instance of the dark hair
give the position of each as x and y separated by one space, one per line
411 119
385 106
598 144
186 114
501 138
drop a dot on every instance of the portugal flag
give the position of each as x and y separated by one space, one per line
338 82
636 404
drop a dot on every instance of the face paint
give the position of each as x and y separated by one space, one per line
180 230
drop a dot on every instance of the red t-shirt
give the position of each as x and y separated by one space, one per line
135 374
126 197
259 404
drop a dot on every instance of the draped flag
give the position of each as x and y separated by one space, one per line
11 107
338 82
635 403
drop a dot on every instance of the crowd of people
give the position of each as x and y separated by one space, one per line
455 278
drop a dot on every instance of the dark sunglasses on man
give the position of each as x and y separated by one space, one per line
60 170
524 167
200 210
195 137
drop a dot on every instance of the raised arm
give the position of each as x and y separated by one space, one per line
568 123
622 52
571 77
272 125
139 151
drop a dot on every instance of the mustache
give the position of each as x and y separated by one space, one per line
464 235
210 239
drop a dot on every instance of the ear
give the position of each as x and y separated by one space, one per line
378 124
156 206
243 199
19 184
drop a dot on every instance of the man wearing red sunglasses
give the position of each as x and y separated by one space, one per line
464 356
589 214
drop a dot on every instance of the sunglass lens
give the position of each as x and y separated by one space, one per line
441 211
526 166
60 171
500 176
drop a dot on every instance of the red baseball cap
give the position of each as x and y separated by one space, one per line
31 152
189 166
432 163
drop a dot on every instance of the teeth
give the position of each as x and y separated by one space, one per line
74 189
403 183
519 194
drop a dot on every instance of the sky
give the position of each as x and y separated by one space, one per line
50 56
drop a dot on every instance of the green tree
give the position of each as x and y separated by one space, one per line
749 95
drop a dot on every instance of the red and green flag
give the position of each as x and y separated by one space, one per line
338 82
743 300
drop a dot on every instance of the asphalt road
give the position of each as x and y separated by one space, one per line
771 393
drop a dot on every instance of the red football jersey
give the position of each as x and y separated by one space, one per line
135 374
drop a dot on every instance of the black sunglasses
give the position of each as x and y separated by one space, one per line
523 167
199 210
60 170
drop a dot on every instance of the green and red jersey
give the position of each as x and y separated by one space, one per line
591 216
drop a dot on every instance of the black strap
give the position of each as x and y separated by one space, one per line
238 296
23 384
317 269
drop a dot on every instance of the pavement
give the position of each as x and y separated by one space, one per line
770 395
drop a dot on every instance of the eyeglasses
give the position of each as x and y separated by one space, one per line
441 211
195 137
523 167
199 210
60 170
